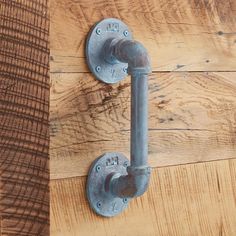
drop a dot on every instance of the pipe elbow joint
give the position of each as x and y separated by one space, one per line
140 179
132 185
128 51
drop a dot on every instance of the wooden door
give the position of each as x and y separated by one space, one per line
192 118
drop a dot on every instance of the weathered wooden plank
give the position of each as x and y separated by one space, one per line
191 119
182 35
194 199
24 114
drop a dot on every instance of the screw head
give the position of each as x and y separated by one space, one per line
99 204
98 31
125 200
126 33
125 164
98 68
98 168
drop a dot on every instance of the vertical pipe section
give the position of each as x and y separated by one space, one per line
139 120
132 52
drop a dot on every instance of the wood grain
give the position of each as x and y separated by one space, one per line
194 199
24 114
192 118
184 35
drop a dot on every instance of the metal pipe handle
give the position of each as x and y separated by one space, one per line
112 182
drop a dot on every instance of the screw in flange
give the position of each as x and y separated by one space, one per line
98 68
125 200
126 33
125 69
99 204
125 164
98 31
98 168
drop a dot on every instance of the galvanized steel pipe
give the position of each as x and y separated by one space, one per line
112 182
133 53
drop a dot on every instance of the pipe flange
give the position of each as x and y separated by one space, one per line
100 33
103 202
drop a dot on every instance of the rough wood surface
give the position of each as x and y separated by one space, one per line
192 118
24 112
194 199
185 35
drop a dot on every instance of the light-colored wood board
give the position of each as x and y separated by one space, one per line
192 118
194 199
179 34
24 118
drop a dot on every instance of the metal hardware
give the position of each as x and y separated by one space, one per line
112 180
100 33
102 202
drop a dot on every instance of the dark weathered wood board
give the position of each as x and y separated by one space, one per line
24 114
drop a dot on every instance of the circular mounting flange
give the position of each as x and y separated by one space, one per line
103 30
102 202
